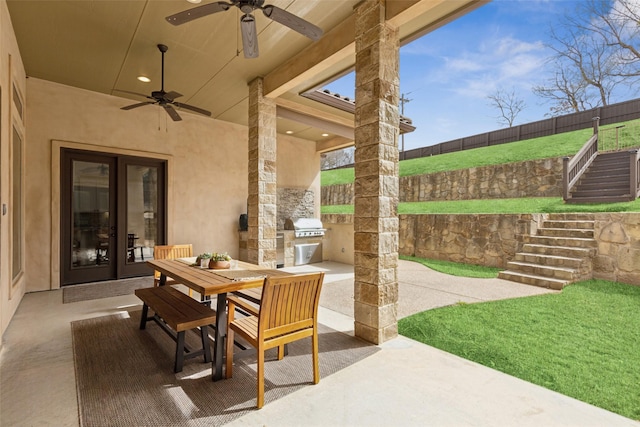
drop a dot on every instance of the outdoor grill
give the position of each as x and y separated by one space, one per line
308 233
308 227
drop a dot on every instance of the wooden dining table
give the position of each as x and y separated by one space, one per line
209 282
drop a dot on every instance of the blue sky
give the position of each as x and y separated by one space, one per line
449 73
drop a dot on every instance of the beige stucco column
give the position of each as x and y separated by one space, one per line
376 174
261 242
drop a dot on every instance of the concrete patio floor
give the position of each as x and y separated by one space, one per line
406 383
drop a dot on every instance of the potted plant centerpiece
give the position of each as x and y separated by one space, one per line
203 260
219 261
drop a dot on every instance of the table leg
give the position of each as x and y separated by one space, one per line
220 333
163 279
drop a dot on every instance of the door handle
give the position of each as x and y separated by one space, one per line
112 235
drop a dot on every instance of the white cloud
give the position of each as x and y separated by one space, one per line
463 65
495 62
510 46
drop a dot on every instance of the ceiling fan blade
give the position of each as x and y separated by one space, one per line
172 113
292 21
192 108
133 93
172 95
249 36
198 12
132 106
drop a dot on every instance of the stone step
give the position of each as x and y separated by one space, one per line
566 232
564 251
573 223
531 279
551 260
560 273
575 216
563 241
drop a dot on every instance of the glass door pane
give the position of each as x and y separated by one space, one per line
16 214
112 215
90 210
142 212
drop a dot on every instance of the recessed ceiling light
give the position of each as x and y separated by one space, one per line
194 1
144 79
325 134
289 132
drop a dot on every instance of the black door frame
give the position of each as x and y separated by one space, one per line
120 267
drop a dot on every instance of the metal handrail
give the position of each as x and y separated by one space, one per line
573 168
634 172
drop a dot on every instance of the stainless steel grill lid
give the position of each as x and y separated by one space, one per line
307 224
308 227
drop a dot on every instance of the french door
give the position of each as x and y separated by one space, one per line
113 215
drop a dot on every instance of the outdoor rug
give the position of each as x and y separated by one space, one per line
125 377
109 288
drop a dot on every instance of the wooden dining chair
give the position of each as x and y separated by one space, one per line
288 311
171 252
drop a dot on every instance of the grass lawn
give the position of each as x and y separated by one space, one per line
564 144
497 206
457 268
583 342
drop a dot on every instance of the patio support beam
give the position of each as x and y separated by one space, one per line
377 121
261 241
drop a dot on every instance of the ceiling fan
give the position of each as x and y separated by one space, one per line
165 99
248 22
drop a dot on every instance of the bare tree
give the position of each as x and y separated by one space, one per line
508 104
593 53
337 158
616 22
566 91
589 63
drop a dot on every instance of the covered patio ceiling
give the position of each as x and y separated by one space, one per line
104 45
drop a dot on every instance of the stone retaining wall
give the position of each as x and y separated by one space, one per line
536 178
492 240
618 257
489 240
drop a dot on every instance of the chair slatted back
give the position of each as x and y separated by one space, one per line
289 304
171 252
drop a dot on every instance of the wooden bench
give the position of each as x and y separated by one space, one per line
176 313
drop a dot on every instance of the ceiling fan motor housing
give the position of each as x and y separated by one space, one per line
248 6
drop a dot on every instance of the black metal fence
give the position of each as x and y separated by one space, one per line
610 114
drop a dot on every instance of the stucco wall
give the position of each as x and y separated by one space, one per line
207 171
337 244
536 178
11 72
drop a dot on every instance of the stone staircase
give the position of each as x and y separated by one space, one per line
559 254
605 181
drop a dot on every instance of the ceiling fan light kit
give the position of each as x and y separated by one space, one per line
247 21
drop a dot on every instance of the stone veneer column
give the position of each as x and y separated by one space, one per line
261 241
376 174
